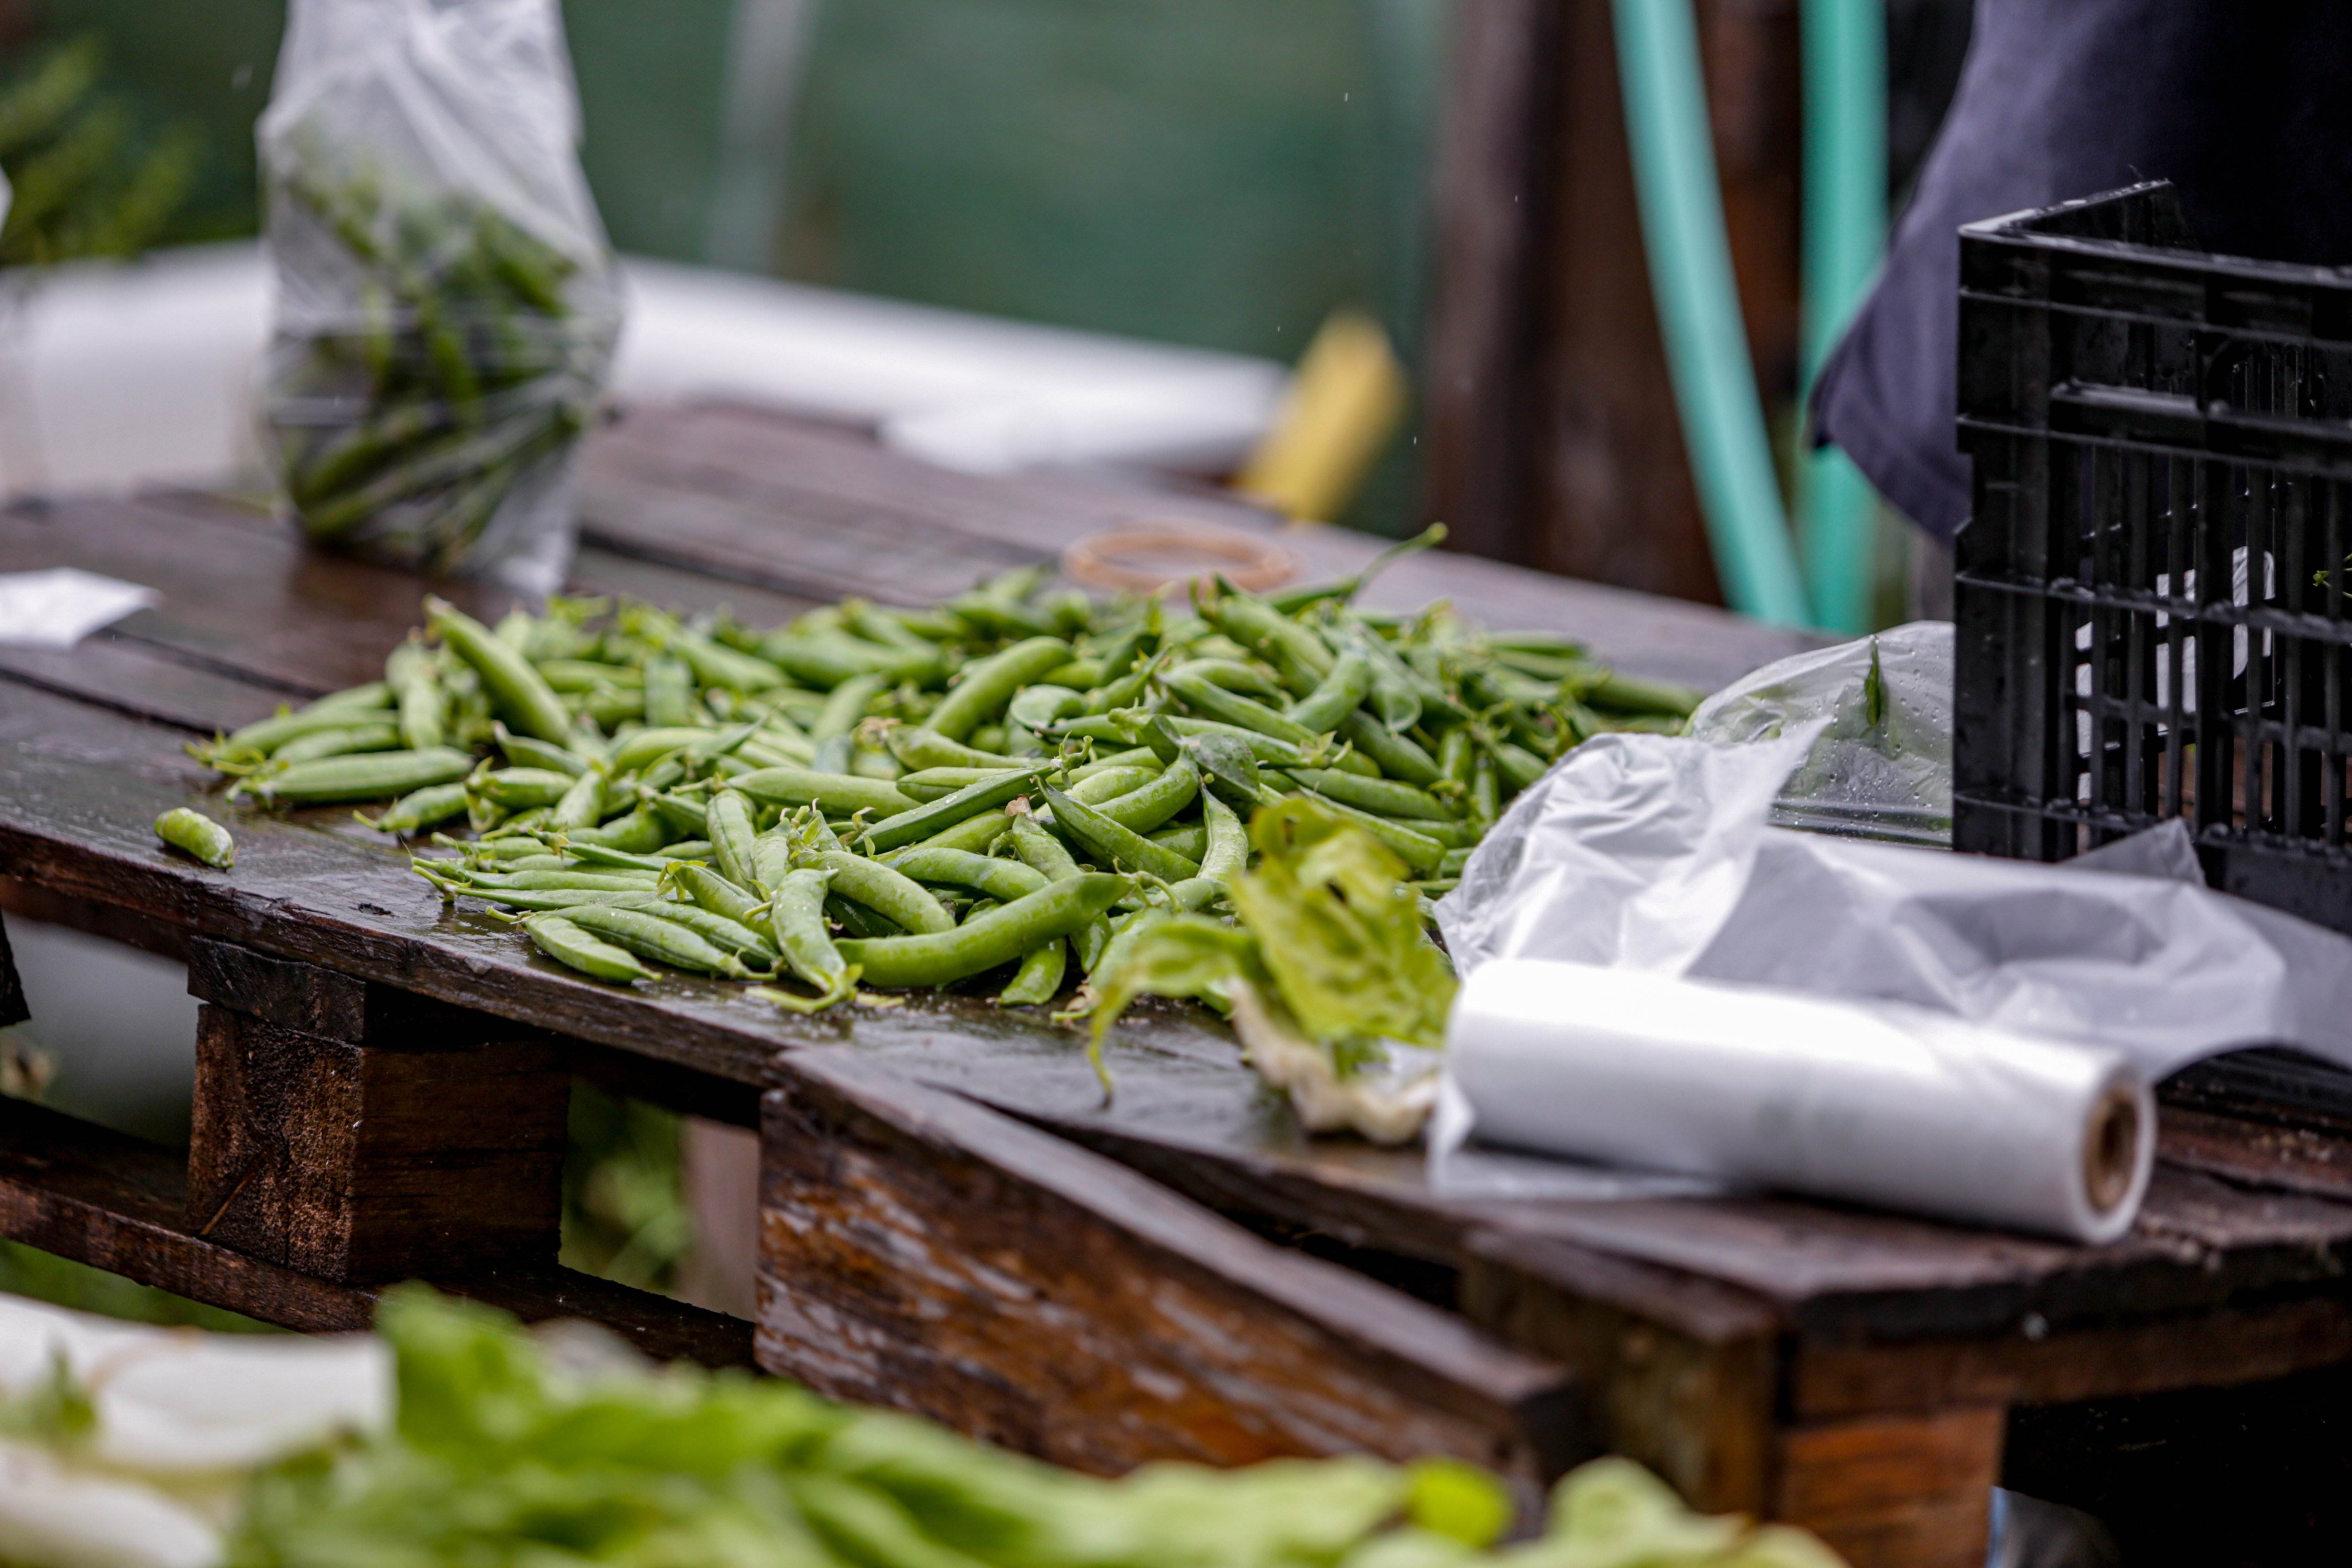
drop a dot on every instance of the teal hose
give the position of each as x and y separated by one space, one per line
1699 309
1845 224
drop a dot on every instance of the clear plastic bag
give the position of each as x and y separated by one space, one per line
1883 767
446 299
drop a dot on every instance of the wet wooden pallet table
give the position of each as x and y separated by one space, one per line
953 1219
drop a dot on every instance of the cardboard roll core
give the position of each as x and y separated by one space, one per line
2111 1149
1160 555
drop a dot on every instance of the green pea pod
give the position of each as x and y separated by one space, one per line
715 664
371 697
928 784
836 794
1384 796
917 748
746 943
1294 651
648 935
1228 842
1192 842
1002 879
1209 700
583 805
847 706
921 822
714 892
771 859
579 677
515 688
669 693
343 742
1135 757
413 675
520 789
796 920
988 684
1109 843
552 899
727 824
420 809
192 833
1039 979
893 895
1340 694
1519 768
609 879
1453 754
1040 851
1398 755
640 831
1146 807
637 751
370 775
564 941
998 937
523 751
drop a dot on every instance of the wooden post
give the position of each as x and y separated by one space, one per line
921 1251
1894 1491
1554 439
354 1132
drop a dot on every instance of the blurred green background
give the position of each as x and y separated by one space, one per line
1218 172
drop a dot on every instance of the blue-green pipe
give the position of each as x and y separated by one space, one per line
1846 224
1699 309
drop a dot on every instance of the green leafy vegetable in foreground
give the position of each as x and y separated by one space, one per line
500 1458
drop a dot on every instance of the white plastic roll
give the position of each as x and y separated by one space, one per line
1875 1103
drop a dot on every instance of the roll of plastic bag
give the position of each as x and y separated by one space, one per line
1872 1103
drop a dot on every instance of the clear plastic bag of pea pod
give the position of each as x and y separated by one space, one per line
447 304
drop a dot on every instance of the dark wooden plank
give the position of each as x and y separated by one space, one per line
357 1162
2036 1367
2256 1154
114 1202
920 1251
1894 1491
143 681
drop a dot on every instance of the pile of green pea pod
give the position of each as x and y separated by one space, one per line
893 798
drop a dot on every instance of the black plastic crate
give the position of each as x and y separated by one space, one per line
2154 601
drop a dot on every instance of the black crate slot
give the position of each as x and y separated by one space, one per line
2154 597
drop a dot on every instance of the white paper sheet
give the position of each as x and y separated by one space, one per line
58 607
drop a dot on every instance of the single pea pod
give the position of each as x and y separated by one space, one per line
988 684
1134 757
771 859
727 824
552 899
836 794
599 855
796 920
583 805
520 789
1190 841
1109 844
1002 879
413 675
927 784
1039 979
1227 851
1209 700
998 937
1340 693
263 737
420 809
1294 650
641 749
578 676
1384 796
648 935
193 833
710 890
1234 676
746 943
715 664
917 748
641 831
1112 782
610 879
370 775
515 688
1520 767
1399 756
893 895
364 698
524 752
991 794
976 835
350 741
564 941
1035 707
846 705
1142 809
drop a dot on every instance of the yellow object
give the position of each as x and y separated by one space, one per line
1345 401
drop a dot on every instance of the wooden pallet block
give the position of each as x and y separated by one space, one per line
920 1251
